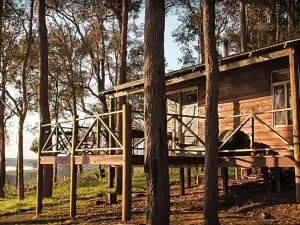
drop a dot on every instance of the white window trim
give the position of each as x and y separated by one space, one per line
286 96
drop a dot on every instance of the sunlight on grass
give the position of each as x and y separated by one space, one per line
88 187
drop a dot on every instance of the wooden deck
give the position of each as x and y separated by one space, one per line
138 160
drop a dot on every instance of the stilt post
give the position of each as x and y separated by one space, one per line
40 172
181 177
73 167
189 177
127 162
278 173
224 172
294 77
266 175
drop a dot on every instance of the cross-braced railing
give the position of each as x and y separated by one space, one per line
182 129
91 138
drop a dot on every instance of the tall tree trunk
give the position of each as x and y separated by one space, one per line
290 9
243 34
210 205
20 159
277 20
156 151
2 144
43 91
23 111
201 37
55 168
17 172
2 109
122 80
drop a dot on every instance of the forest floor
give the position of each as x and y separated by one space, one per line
248 202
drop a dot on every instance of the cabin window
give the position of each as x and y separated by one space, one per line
282 98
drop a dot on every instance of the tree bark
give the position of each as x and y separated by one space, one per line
243 34
24 107
121 80
43 91
277 20
156 151
20 159
201 37
2 145
2 123
290 8
210 205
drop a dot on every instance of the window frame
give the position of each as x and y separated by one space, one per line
285 84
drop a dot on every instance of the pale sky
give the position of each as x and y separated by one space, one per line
172 53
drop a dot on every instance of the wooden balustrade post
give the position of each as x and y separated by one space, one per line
127 162
73 168
294 77
173 137
252 131
40 173
111 170
249 171
181 169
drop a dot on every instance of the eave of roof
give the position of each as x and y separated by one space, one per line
199 67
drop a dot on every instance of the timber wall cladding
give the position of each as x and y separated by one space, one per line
247 90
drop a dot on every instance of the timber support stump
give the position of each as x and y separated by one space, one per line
127 162
265 172
73 168
278 174
40 172
294 78
189 177
224 172
181 177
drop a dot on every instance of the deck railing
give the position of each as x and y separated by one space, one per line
100 137
91 139
178 147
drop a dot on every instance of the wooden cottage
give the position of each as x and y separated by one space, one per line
258 97
255 83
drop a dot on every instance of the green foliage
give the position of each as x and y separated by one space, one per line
34 146
261 25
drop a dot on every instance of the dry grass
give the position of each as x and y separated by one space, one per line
247 202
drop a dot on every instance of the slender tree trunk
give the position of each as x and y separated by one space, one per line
2 110
20 160
122 80
56 119
290 9
201 37
2 145
43 91
210 205
243 35
17 172
23 110
156 151
277 4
